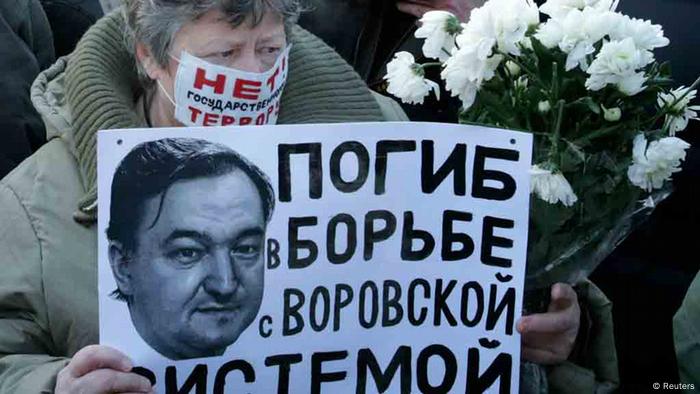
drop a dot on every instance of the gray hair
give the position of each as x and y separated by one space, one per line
155 22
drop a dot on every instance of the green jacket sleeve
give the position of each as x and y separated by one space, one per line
26 365
592 368
686 336
391 110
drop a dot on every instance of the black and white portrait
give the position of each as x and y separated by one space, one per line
186 237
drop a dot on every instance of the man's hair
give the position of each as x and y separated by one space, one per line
152 167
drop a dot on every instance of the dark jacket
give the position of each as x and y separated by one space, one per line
26 48
69 20
370 33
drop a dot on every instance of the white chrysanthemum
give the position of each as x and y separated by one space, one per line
551 187
465 71
680 112
406 80
498 24
652 166
503 22
645 35
550 33
617 64
576 34
560 8
439 29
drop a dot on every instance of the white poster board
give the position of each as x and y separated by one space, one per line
418 290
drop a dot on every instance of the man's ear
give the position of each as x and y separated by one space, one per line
147 61
119 261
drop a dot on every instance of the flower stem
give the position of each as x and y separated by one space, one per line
522 66
431 64
555 81
666 108
597 134
554 152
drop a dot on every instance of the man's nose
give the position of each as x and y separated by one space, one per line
221 279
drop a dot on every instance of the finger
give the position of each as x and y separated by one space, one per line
416 10
135 392
427 3
563 296
553 343
538 340
111 381
541 356
551 322
95 357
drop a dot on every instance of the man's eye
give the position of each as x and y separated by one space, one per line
187 255
245 251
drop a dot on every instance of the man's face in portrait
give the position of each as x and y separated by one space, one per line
195 279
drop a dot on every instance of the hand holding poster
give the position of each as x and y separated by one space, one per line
315 258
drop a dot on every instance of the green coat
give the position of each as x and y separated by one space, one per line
686 335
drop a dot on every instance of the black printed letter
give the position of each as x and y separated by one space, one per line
331 235
362 166
507 303
481 174
407 237
383 149
500 369
318 376
197 380
383 379
273 254
448 380
292 311
489 240
284 151
449 237
456 163
240 365
284 361
373 236
391 302
295 243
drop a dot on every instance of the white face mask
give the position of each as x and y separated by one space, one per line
211 95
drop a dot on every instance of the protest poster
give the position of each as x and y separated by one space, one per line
371 257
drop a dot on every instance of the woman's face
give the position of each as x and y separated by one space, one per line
212 38
246 48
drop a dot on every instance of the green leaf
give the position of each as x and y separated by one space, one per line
571 157
665 69
586 102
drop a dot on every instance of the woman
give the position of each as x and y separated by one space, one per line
48 300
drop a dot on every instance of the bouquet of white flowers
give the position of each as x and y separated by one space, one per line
583 80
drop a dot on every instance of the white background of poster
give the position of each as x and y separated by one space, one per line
403 193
